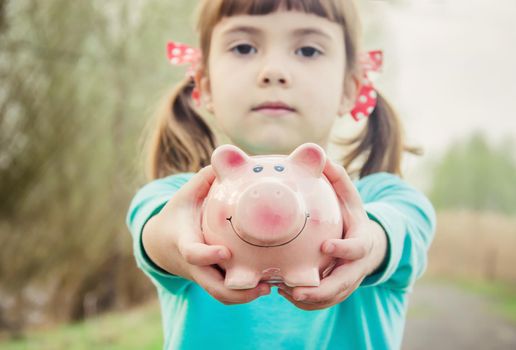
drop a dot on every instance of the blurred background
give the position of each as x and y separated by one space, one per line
80 80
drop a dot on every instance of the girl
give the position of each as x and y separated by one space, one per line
275 74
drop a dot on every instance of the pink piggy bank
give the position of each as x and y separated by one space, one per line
273 213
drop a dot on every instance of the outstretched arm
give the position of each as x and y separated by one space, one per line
164 219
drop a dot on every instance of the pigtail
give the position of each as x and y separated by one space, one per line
381 143
182 141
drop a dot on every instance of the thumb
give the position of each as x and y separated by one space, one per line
199 185
347 249
197 253
342 184
191 195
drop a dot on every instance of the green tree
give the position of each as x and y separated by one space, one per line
475 175
78 82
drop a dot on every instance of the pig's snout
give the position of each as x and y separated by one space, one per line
268 214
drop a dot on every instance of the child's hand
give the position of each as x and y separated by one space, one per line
174 241
358 254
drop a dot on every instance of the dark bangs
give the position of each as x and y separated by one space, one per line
323 8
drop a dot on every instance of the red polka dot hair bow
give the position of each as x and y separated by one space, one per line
366 101
179 54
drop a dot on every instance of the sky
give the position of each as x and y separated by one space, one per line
457 69
449 69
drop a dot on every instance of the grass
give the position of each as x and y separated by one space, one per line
420 311
502 295
139 328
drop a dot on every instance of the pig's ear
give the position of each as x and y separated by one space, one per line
227 158
310 156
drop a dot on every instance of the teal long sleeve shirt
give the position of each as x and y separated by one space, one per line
372 317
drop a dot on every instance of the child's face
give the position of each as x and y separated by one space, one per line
289 57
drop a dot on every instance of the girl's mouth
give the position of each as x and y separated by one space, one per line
273 108
273 111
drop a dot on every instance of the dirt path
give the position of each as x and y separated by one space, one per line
442 316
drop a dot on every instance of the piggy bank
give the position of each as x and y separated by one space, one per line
273 213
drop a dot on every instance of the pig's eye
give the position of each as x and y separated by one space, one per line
279 168
257 169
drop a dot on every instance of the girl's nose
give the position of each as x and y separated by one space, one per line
274 76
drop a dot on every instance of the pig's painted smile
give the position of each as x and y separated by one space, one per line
307 215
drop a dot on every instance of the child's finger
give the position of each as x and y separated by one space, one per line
303 305
201 254
341 281
344 188
342 184
199 185
347 249
213 282
192 194
283 287
231 296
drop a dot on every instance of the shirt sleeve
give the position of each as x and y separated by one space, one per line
147 202
408 219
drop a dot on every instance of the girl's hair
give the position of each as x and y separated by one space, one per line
183 141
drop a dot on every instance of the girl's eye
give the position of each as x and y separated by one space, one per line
243 49
279 168
308 51
257 169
